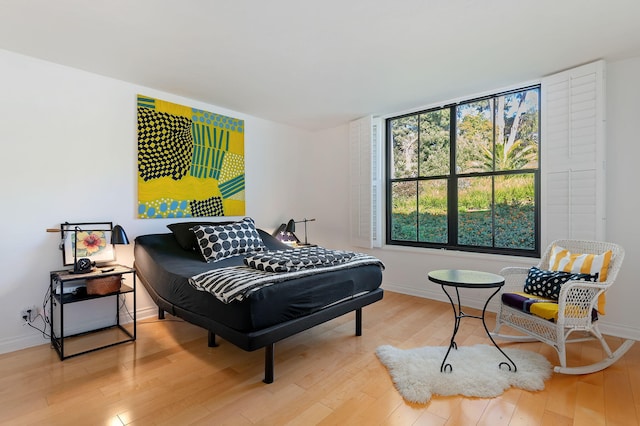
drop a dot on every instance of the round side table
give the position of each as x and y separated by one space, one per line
460 278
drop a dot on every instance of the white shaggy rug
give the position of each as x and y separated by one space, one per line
416 372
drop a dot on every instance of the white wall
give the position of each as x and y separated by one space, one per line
325 193
407 268
68 153
623 204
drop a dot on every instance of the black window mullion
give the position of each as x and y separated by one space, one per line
493 178
493 210
452 187
389 183
417 224
419 173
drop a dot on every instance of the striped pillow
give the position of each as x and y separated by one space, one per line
563 260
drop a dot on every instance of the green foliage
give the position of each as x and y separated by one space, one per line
514 216
514 157
420 144
432 229
514 227
512 120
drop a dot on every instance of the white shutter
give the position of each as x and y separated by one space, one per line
364 182
376 182
573 154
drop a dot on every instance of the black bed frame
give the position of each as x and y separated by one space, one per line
266 337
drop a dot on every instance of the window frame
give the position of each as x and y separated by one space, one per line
453 177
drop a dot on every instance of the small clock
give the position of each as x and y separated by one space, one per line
83 265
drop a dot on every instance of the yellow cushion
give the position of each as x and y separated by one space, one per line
563 260
546 310
542 307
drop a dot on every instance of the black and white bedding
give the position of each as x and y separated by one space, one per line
271 267
295 259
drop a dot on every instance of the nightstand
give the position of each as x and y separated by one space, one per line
66 288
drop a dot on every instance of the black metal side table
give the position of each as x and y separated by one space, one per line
460 278
59 298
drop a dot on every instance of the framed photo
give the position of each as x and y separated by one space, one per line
90 240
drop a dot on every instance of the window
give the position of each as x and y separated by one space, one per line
467 176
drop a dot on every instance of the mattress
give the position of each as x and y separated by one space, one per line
166 267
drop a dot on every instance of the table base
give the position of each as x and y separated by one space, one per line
458 314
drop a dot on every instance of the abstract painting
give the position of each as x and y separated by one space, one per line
190 162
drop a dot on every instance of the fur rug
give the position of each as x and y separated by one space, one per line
416 372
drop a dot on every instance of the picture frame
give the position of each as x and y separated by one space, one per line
91 240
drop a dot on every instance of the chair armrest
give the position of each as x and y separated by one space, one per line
514 278
577 298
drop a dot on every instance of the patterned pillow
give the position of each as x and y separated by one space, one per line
221 242
547 283
183 233
563 260
296 259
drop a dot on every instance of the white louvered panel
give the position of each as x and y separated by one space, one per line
557 212
583 197
376 182
572 154
583 122
360 182
554 150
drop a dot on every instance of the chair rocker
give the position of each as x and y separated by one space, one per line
576 308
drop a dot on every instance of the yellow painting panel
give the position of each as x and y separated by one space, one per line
173 109
234 207
187 188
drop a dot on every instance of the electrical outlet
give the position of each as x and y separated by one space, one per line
29 314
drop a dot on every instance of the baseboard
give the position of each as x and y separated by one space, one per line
35 338
619 331
436 293
22 342
144 313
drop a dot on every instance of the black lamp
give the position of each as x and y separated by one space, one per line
291 228
118 236
279 230
284 234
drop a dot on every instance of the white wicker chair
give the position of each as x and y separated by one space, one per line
575 304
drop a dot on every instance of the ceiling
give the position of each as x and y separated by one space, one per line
319 64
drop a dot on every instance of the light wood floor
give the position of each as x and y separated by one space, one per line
323 376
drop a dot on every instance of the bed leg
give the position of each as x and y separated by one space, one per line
268 363
212 339
160 313
359 322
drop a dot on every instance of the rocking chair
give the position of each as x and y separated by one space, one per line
549 311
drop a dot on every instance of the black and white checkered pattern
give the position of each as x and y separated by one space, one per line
207 208
165 145
218 242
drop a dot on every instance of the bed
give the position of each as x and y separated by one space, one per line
167 263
